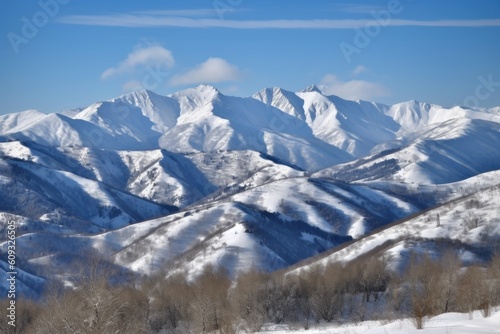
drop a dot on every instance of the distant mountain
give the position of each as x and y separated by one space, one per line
198 177
447 152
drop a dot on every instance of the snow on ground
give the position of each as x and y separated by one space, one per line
109 153
115 240
290 197
473 220
448 323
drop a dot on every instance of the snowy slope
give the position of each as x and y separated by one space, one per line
307 129
17 121
412 115
262 226
456 323
210 121
358 127
163 111
469 224
56 197
200 177
135 120
451 151
354 127
158 175
270 227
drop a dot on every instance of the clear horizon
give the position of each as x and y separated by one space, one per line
63 54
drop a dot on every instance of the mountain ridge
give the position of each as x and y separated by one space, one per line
198 177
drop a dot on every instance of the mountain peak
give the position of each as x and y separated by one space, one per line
136 95
206 87
414 104
192 99
267 95
203 90
312 88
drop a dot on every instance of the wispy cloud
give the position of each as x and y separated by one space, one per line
142 56
213 70
155 20
353 89
207 12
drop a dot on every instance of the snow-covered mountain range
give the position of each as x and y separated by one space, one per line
196 177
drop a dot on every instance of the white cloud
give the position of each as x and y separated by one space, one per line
213 70
358 70
353 89
180 12
154 20
141 57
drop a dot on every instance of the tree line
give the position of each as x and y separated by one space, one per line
213 303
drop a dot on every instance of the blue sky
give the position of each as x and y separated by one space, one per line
61 54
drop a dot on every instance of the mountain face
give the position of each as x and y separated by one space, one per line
468 226
198 177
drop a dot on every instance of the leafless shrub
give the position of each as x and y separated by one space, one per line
472 220
209 303
169 301
279 298
472 203
396 293
248 297
494 278
327 298
303 292
474 291
93 305
26 313
419 285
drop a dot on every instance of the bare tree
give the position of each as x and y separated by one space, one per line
327 299
374 277
420 286
209 303
248 298
494 277
26 311
473 220
93 305
303 292
278 298
474 291
448 272
169 301
396 293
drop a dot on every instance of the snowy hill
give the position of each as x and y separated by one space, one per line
469 224
198 177
451 151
